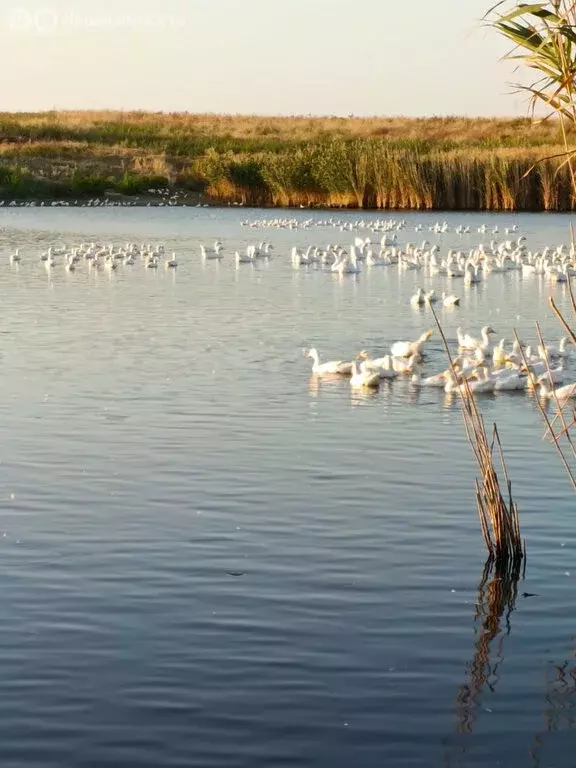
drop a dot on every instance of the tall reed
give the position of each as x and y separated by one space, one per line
497 511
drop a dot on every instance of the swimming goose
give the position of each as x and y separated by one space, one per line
559 351
499 355
409 348
330 368
511 382
470 342
214 253
363 378
515 356
485 381
348 267
418 298
378 362
566 392
381 365
450 301
453 382
553 376
438 380
471 274
245 258
405 367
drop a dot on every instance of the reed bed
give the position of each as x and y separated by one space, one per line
375 163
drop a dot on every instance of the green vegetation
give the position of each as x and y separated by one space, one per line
443 163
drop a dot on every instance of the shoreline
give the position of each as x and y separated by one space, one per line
125 201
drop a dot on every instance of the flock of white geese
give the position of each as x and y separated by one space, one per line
101 256
479 366
485 366
372 225
161 198
471 266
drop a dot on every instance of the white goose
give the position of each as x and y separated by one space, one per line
382 365
567 392
409 348
554 376
485 381
465 341
418 299
406 367
438 380
560 351
330 368
214 253
471 274
450 301
513 381
363 378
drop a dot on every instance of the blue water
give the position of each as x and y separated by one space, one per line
208 559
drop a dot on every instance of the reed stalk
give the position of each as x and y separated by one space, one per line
497 511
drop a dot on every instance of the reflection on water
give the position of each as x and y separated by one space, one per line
495 602
559 712
496 597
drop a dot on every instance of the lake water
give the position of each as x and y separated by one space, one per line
208 559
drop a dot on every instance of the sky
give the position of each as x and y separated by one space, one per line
321 57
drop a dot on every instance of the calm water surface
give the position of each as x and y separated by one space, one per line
208 559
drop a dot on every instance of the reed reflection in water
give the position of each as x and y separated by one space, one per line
496 597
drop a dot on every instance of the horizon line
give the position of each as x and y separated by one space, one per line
264 115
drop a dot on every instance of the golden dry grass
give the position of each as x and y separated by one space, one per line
303 128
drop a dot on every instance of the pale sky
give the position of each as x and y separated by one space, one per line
362 57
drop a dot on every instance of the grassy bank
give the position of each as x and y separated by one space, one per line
442 163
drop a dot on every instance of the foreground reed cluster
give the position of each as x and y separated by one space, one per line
497 511
450 163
